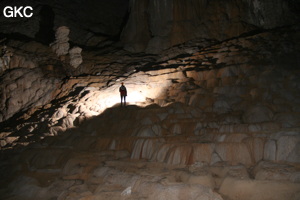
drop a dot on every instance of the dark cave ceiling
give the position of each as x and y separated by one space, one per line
145 25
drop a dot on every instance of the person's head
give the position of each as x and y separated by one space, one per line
122 83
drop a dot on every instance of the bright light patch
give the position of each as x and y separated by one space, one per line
136 95
110 97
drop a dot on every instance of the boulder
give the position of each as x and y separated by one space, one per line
228 72
277 172
236 189
234 153
258 113
25 187
179 191
197 76
230 91
288 149
288 120
221 106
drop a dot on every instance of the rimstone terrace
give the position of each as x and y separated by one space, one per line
221 121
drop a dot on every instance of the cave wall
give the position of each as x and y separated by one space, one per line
90 21
24 88
151 25
157 25
31 79
239 81
233 103
229 111
35 72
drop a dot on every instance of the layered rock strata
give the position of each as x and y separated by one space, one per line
220 122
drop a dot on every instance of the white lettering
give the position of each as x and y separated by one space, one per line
8 11
30 8
15 11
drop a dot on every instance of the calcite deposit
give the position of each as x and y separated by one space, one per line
75 56
61 44
213 105
218 123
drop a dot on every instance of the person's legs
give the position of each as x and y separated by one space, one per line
123 100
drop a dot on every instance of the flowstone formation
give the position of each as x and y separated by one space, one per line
205 120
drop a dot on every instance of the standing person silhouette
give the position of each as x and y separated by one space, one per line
123 94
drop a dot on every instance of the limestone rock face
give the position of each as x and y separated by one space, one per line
23 88
157 25
257 114
31 79
210 122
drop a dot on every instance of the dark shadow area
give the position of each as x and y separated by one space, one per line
73 139
15 36
45 34
69 142
10 124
